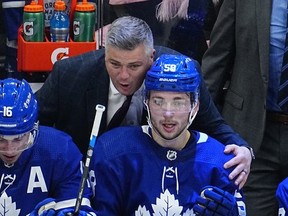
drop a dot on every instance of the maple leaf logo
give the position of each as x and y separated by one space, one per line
142 211
189 212
165 205
7 207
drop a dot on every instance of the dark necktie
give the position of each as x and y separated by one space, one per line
283 88
120 114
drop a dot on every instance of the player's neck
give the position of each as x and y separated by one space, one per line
178 143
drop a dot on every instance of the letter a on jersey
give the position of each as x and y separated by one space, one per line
36 180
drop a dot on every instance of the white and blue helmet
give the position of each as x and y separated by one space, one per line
18 107
177 73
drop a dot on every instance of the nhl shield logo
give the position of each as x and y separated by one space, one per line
171 155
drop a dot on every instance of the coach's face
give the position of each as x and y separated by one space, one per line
127 68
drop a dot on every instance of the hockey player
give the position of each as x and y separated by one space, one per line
12 12
282 197
36 162
162 168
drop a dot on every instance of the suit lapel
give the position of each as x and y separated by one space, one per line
97 93
263 16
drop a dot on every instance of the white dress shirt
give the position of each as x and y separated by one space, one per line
115 101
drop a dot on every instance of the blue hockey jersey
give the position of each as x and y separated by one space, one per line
133 175
13 17
282 197
50 168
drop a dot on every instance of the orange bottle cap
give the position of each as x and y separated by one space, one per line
33 7
85 6
60 5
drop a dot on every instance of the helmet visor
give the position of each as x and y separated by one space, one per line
159 105
16 143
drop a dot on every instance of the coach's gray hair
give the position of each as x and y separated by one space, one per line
128 32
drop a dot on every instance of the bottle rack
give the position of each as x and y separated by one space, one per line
40 56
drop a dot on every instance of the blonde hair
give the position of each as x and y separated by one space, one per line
169 9
216 2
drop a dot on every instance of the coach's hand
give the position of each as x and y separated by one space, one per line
215 202
241 162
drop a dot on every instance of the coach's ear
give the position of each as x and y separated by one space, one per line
152 56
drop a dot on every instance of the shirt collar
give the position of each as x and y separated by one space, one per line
112 89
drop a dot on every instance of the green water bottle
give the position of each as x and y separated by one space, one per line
33 22
84 22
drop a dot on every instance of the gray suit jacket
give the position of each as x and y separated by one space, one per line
239 53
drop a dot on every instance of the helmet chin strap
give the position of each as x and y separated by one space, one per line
149 116
32 136
191 116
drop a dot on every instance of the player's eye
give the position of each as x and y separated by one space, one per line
157 101
179 104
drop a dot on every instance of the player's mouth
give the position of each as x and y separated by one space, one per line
8 158
169 127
